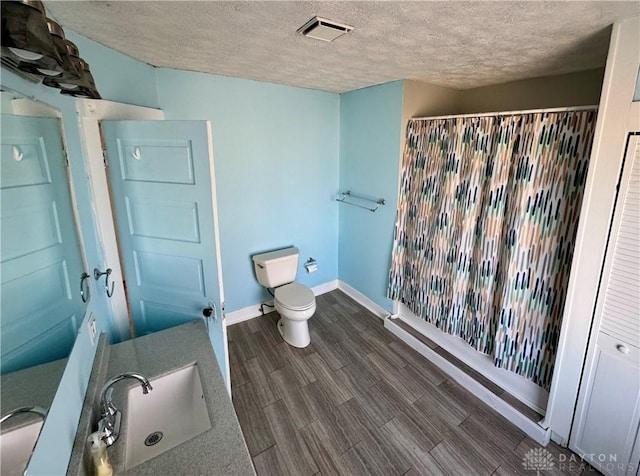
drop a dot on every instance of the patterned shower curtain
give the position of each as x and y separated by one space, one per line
487 217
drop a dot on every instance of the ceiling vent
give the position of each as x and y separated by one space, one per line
323 29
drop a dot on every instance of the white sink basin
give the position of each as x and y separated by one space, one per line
16 447
173 412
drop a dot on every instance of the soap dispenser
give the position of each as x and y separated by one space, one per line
101 462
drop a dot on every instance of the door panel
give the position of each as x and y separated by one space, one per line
41 264
609 411
161 191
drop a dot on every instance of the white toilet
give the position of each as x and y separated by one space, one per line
294 302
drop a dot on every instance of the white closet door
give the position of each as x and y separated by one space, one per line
608 424
607 415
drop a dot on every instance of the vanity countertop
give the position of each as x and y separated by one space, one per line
220 450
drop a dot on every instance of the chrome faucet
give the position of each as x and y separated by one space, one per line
37 410
18 411
109 424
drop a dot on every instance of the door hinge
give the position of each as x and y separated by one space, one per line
104 158
66 158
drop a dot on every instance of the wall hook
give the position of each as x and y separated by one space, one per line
83 294
17 155
106 274
136 153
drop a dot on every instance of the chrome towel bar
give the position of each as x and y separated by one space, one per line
346 195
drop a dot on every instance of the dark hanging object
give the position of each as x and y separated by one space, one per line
34 46
72 76
67 68
26 40
82 85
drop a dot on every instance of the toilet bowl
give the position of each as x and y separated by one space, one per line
295 303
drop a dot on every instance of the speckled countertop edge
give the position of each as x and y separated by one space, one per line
220 450
80 461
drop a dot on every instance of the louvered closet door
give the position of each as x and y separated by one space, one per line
608 411
621 313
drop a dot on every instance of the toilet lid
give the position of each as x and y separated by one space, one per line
295 296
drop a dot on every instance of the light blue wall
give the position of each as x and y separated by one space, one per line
118 77
370 123
276 164
137 86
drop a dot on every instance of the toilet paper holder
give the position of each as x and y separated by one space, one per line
311 265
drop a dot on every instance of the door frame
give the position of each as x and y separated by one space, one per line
216 231
614 114
90 113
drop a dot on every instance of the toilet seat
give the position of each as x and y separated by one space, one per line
295 297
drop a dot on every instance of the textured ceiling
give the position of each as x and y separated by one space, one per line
449 43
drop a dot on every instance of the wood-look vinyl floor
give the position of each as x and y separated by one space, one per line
358 401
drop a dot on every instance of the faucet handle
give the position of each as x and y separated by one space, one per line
109 408
111 417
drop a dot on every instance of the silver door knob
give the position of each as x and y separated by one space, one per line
622 349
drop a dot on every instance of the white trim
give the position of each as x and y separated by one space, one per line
363 300
214 203
244 314
595 215
90 113
509 113
530 428
633 124
524 390
216 237
226 354
32 107
325 288
250 312
103 110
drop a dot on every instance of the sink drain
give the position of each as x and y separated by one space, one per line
153 438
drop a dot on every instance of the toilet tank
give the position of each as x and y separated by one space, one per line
276 268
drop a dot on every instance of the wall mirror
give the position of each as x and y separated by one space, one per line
43 296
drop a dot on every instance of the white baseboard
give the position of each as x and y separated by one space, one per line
530 428
363 300
252 311
244 314
325 288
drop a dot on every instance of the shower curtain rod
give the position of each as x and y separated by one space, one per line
508 113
